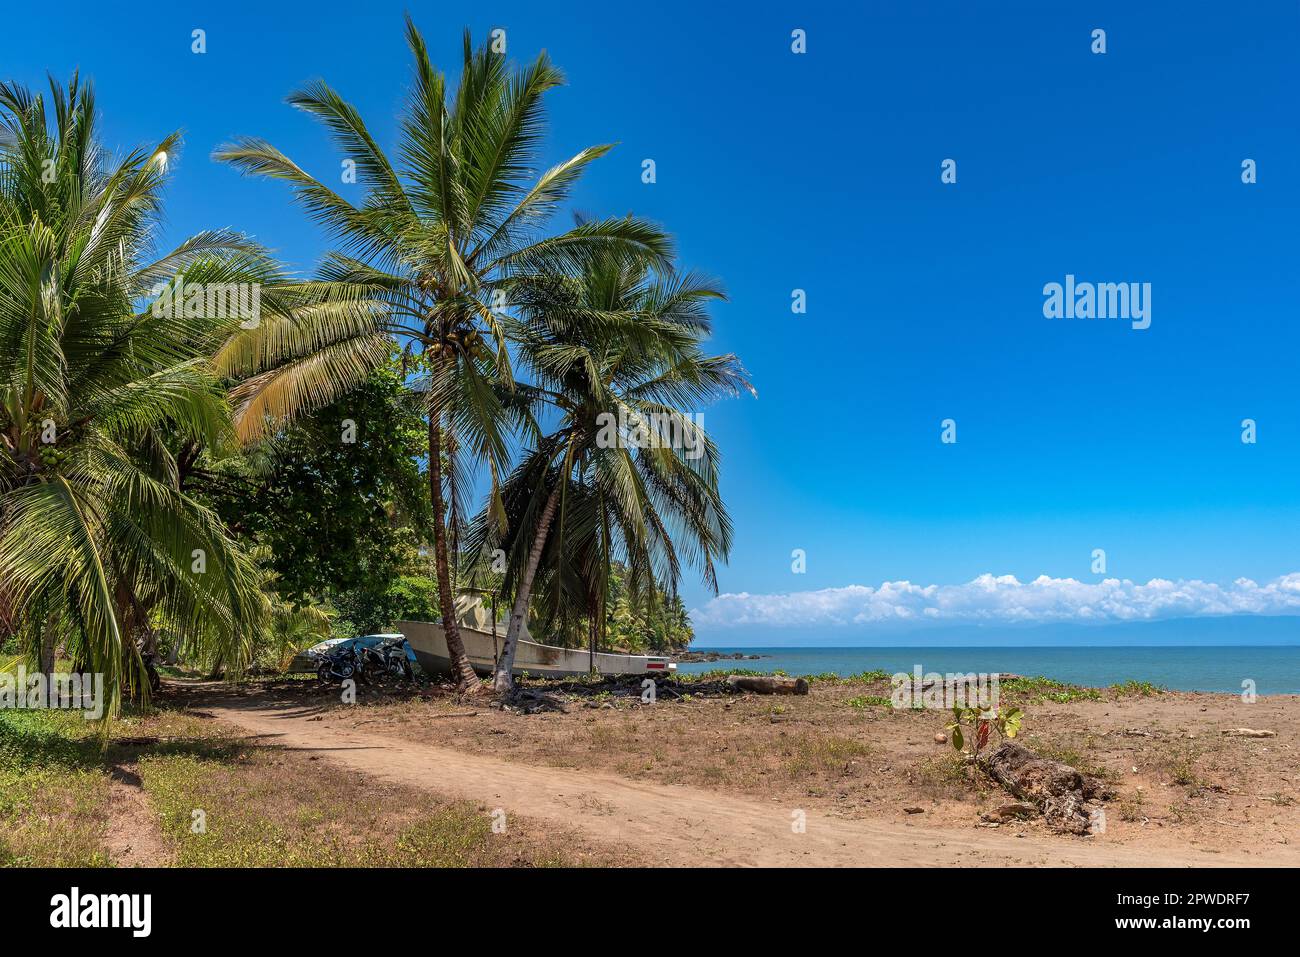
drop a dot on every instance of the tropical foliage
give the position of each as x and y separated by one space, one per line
653 621
338 497
217 487
628 474
434 247
98 392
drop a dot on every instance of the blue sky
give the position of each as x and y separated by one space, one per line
821 171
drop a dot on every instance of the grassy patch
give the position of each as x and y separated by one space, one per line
1131 688
1076 755
945 775
1132 807
263 808
53 793
717 674
1041 688
869 701
818 755
1180 764
866 677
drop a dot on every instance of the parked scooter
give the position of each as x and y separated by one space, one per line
341 665
389 658
151 669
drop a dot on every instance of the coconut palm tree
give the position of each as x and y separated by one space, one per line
97 391
628 473
435 246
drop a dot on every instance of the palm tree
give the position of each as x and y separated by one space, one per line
435 249
628 473
292 626
97 392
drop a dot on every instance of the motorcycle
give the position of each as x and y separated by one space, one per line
151 669
341 665
389 658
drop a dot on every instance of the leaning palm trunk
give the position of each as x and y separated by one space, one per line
461 668
49 638
503 680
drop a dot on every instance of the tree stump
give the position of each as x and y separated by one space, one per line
1067 798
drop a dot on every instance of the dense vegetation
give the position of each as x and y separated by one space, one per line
219 487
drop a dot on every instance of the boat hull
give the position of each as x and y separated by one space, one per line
429 643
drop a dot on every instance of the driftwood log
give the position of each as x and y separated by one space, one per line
768 684
1068 799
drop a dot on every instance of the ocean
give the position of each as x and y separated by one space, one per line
1274 669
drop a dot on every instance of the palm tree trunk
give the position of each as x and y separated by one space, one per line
462 670
503 680
48 641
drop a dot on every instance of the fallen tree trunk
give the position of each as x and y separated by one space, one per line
768 684
1067 798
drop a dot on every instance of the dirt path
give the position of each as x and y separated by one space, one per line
132 838
681 825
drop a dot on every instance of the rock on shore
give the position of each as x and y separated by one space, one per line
690 656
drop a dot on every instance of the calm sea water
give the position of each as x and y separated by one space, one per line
1274 669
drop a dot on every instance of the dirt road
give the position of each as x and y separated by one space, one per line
682 825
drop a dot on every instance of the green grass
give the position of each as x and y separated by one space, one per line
815 754
53 793
869 701
826 677
717 674
1041 688
865 676
1144 689
1180 763
1076 757
262 807
945 775
262 811
265 808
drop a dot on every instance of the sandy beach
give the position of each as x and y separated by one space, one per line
719 780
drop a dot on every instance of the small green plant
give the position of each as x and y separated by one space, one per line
979 724
718 673
878 674
1182 770
868 701
835 677
1132 807
1041 688
1144 689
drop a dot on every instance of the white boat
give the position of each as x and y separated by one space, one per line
483 638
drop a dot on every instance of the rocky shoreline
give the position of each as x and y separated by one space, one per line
693 656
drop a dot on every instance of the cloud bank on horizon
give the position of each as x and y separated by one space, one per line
1003 599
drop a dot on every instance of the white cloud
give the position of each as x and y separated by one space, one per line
1002 599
